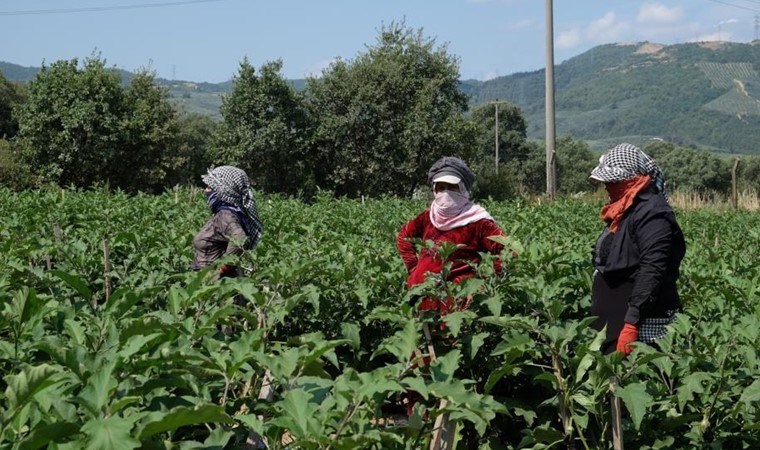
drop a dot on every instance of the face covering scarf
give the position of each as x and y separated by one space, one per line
622 195
452 209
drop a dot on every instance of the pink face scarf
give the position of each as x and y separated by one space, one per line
452 209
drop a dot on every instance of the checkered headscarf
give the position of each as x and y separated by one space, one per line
626 161
232 186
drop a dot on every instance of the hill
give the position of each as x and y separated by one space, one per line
703 94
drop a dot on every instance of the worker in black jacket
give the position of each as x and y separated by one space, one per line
638 255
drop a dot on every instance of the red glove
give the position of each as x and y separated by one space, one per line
628 334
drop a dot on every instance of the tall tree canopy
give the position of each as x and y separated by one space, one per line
263 129
385 117
11 95
80 127
512 132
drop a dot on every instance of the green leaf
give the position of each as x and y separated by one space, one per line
372 384
350 332
494 305
252 422
691 384
98 389
496 376
112 433
176 299
298 414
75 283
418 385
583 367
454 321
218 438
41 436
123 402
636 400
75 330
181 416
475 342
751 395
135 344
443 368
510 244
402 344
520 341
23 386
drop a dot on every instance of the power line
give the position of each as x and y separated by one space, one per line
735 5
103 8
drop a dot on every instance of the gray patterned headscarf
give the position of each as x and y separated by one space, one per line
233 187
450 165
626 161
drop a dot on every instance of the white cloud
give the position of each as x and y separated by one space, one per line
657 12
607 29
522 24
315 70
729 21
489 76
568 39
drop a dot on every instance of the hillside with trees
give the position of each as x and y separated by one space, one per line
703 95
696 94
372 125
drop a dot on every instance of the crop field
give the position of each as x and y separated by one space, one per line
108 341
722 75
735 102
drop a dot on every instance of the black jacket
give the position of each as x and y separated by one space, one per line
638 265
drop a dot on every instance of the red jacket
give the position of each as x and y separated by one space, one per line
473 237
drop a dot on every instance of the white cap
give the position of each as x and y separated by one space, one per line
451 179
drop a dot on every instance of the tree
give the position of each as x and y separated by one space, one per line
749 173
512 132
263 129
148 137
530 173
13 174
11 95
80 127
192 156
382 119
691 168
658 149
513 150
575 161
70 123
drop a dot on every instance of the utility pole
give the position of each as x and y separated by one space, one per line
757 26
496 132
496 138
551 182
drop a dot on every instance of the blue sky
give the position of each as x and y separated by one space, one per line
203 40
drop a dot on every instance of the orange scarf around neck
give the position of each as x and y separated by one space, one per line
622 195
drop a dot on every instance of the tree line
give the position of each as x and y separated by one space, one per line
366 127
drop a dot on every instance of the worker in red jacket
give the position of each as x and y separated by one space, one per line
454 218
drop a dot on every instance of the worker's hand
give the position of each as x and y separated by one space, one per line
225 270
628 335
